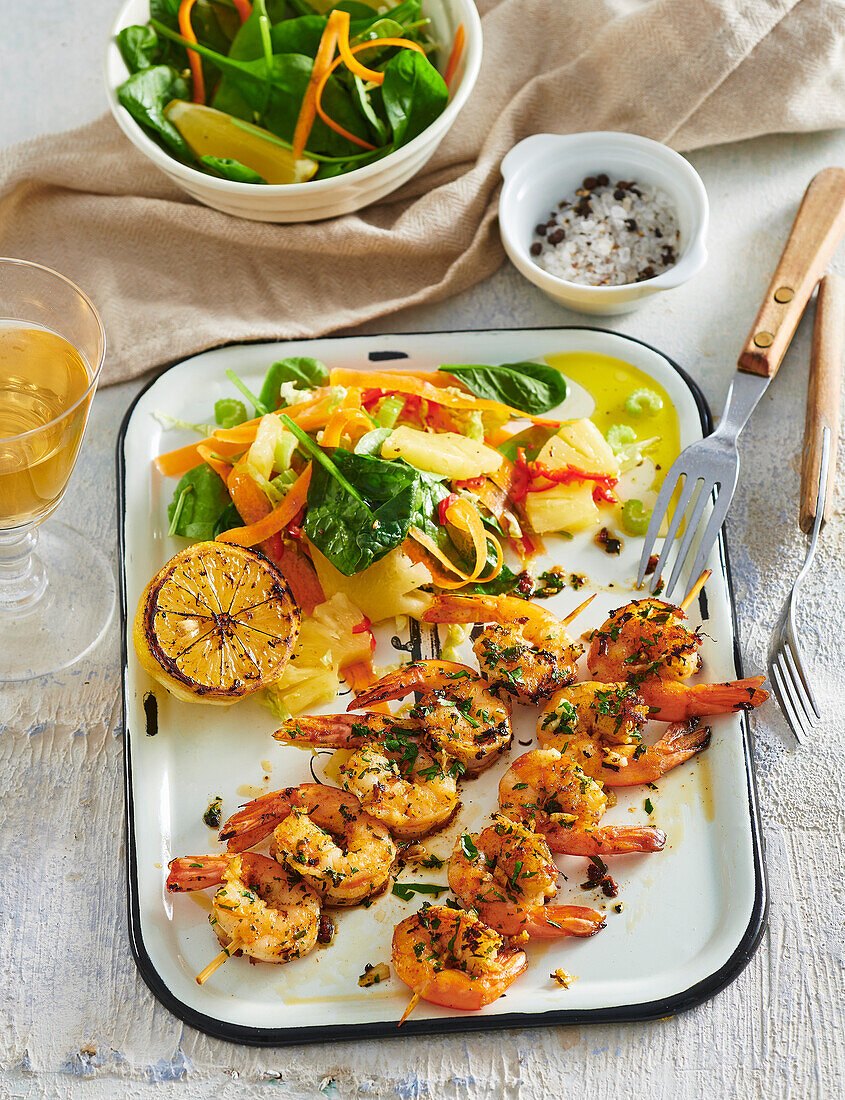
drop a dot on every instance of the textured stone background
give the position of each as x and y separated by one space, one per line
75 1018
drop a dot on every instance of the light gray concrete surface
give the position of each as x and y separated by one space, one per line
75 1018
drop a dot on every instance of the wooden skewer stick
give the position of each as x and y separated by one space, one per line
218 961
574 614
412 1004
696 588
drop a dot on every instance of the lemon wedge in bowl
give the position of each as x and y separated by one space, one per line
212 133
217 623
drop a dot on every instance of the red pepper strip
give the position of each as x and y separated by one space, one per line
455 55
244 9
187 31
295 566
444 506
603 492
364 624
471 483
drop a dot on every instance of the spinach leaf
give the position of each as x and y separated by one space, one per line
355 529
531 387
301 370
228 519
231 169
366 108
145 95
300 35
139 47
414 95
200 500
356 10
531 440
432 491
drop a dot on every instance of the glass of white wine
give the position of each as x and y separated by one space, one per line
57 590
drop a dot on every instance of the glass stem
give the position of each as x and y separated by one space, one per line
23 580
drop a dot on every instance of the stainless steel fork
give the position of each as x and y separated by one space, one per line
787 672
711 466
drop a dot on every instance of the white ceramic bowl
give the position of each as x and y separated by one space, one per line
542 169
300 202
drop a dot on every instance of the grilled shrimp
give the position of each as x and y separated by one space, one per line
271 914
322 834
460 714
647 643
546 791
450 957
599 727
398 777
506 874
525 650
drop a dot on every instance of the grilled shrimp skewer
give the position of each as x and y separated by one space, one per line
462 716
450 957
260 908
402 781
546 791
524 650
322 834
599 727
506 874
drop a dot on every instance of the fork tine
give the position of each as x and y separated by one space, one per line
779 684
690 532
798 657
690 483
793 692
800 681
661 505
717 518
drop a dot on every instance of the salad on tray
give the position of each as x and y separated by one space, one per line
284 91
370 491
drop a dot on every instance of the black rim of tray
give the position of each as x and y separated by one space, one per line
647 1010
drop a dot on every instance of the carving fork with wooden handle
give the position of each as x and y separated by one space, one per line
818 469
712 465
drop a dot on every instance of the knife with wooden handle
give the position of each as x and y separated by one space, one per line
823 396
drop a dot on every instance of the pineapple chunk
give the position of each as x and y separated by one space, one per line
325 646
563 508
389 587
445 453
581 445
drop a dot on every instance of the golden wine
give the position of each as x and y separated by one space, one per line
42 377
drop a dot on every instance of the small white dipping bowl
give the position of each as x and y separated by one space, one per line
317 199
545 168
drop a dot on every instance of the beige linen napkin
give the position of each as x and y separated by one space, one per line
172 277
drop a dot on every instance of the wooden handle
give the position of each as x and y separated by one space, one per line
823 397
816 231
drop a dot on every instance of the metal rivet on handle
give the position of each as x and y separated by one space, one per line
784 294
764 339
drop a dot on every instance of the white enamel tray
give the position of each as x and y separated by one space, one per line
693 914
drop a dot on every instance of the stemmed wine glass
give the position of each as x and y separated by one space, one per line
57 590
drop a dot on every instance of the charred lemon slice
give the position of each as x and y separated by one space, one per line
217 623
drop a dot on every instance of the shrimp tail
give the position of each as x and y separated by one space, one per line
611 840
552 921
257 819
670 701
418 676
195 872
681 741
336 731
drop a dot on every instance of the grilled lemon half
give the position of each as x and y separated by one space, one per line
217 623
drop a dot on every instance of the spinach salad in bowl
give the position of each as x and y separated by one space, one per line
284 91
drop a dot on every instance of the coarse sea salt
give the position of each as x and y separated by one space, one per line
608 234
